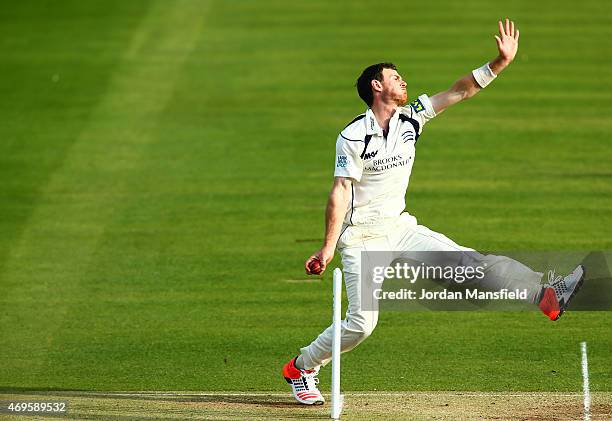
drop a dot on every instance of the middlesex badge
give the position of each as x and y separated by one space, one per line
417 105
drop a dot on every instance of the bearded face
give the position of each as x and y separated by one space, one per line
393 87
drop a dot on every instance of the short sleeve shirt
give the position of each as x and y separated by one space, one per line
380 166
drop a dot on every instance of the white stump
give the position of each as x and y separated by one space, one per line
336 398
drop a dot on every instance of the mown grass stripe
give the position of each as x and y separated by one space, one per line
84 195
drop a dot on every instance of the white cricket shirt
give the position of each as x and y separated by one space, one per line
380 167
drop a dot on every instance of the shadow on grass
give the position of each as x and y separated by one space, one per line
271 401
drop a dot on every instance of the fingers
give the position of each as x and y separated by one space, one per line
499 41
315 265
323 260
506 28
307 264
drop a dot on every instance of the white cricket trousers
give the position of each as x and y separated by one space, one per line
401 234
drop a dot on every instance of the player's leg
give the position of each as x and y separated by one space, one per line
358 324
355 328
500 271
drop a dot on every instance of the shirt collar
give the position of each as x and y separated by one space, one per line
372 127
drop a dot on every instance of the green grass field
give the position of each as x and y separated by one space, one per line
164 168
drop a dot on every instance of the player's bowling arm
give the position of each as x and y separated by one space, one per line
337 204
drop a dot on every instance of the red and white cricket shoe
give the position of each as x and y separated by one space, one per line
559 291
303 383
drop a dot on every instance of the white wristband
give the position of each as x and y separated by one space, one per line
484 75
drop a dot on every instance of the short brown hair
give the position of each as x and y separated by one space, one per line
364 82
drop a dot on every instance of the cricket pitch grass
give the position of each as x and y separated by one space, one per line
358 406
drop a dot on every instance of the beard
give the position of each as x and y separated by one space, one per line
400 98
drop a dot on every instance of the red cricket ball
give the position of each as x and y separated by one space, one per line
315 267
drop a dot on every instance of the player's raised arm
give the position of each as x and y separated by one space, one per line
472 83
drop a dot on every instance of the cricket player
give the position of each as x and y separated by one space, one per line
365 211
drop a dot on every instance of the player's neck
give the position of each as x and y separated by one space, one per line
383 113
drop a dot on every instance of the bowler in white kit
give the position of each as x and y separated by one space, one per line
365 212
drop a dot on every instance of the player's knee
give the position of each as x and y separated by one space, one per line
361 326
367 329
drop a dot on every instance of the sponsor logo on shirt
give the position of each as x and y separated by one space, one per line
383 164
417 105
370 155
342 161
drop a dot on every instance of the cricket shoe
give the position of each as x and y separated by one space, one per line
559 291
303 383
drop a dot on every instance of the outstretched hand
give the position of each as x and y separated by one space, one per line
507 41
